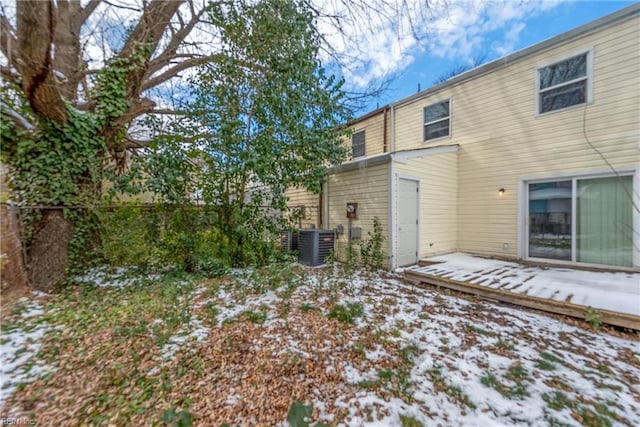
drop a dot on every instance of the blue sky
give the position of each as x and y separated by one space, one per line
469 29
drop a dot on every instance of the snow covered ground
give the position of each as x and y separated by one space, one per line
19 344
471 363
602 290
400 354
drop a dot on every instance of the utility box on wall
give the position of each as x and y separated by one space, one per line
355 233
314 246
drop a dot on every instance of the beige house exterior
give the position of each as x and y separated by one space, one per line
533 156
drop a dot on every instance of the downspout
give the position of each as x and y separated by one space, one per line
391 185
384 130
636 220
321 205
393 127
325 204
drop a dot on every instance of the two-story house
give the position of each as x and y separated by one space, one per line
533 156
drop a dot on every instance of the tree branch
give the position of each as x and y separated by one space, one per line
88 10
151 26
121 6
168 111
134 144
147 33
8 41
177 39
173 72
18 119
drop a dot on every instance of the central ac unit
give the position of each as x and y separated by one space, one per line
289 241
314 246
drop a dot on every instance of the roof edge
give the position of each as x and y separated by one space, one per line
384 158
367 162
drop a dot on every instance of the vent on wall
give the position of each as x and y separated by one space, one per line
314 246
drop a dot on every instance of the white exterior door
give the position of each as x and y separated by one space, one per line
407 221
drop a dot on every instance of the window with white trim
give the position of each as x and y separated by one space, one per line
437 120
357 144
564 84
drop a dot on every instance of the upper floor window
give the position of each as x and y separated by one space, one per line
437 121
564 83
357 144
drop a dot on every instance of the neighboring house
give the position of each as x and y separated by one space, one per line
533 156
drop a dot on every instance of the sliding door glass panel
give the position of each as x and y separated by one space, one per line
604 222
550 220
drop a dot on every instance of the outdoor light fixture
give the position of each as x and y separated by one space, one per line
501 191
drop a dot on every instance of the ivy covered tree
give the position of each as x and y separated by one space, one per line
64 125
264 117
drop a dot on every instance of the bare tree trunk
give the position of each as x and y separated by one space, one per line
49 252
12 270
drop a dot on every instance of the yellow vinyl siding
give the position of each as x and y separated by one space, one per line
438 204
369 188
374 134
311 202
502 139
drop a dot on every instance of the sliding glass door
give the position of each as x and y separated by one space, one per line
550 220
587 220
604 233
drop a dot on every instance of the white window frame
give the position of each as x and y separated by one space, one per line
588 77
364 144
523 214
425 124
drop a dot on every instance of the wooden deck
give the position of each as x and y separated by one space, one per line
624 320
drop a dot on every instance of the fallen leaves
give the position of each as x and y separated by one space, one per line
266 347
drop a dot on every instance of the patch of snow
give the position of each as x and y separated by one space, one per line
104 277
354 376
377 354
33 312
17 347
601 290
40 294
195 331
438 335
109 277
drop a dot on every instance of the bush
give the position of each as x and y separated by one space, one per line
182 237
160 236
371 248
346 313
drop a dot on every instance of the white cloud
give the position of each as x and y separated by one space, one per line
373 45
511 37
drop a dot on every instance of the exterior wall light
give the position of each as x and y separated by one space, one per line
501 191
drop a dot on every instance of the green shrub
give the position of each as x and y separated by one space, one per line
346 313
163 235
593 317
184 237
371 249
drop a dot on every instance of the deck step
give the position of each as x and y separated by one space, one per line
623 320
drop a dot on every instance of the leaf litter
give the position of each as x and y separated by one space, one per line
244 348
